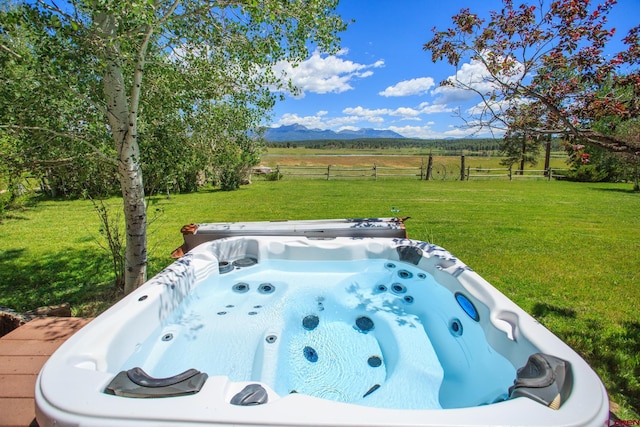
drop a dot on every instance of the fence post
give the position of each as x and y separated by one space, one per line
422 168
462 167
277 172
468 172
547 157
375 171
510 172
328 172
429 167
636 183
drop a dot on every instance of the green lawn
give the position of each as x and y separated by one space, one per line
567 253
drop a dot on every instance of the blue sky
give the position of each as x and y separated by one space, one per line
383 79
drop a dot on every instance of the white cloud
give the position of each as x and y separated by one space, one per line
312 122
474 76
482 108
339 121
419 86
353 128
497 107
319 121
325 73
426 108
414 131
404 113
426 132
375 119
451 95
365 112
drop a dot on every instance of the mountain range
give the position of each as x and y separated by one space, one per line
297 132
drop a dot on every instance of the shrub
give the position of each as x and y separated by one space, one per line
274 176
587 173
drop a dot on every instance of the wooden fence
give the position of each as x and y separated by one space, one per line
427 170
341 172
514 173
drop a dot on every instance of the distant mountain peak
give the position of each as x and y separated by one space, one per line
298 132
294 126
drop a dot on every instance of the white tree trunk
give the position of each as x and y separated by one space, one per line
123 121
135 216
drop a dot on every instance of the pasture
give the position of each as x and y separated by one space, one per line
568 253
387 158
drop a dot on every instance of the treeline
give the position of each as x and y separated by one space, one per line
487 146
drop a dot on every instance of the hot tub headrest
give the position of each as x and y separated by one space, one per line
137 383
545 379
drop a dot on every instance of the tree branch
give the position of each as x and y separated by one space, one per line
53 7
11 52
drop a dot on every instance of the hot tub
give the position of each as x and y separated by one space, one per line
291 330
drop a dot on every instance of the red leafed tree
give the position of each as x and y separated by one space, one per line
545 71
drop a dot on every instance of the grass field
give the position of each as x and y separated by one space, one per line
567 253
388 158
314 163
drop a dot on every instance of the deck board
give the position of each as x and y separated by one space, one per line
17 386
22 354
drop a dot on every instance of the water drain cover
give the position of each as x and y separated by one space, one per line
266 288
225 267
310 354
245 262
241 288
310 322
374 361
364 323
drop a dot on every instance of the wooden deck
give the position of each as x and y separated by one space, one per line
22 354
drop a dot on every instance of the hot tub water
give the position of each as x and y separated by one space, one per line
370 332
